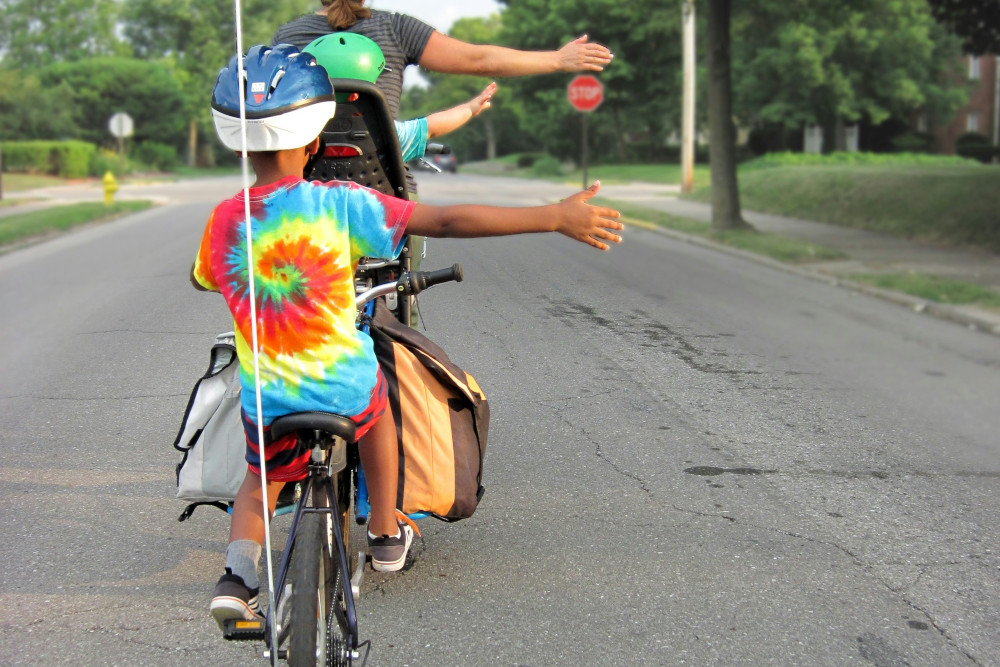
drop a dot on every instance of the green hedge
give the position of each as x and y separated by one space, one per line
831 159
67 159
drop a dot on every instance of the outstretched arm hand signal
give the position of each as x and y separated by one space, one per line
574 217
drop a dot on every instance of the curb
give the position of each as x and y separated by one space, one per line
968 317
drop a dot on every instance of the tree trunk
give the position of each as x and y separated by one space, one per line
491 139
722 149
192 143
839 135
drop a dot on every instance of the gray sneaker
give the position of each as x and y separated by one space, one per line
389 553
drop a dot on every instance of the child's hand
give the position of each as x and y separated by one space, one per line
481 102
588 223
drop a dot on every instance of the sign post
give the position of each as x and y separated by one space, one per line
585 93
120 125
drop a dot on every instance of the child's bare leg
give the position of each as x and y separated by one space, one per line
380 460
248 509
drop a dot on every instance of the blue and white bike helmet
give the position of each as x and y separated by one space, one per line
288 99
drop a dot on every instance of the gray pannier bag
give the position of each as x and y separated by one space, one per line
211 435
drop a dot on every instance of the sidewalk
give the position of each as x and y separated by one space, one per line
868 252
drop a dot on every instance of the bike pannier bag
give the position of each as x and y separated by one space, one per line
442 419
211 434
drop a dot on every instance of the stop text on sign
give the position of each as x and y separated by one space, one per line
585 93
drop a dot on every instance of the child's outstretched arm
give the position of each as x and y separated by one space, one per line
442 122
573 216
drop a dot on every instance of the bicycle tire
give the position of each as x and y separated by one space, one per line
310 602
338 632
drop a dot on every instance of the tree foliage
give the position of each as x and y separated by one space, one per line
799 62
31 110
96 88
977 22
641 86
34 33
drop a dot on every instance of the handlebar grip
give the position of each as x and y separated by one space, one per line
414 282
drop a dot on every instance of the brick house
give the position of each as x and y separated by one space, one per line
981 114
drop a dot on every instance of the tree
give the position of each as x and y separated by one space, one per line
198 37
34 33
831 62
641 105
722 146
977 22
31 110
96 88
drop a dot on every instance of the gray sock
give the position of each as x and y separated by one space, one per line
241 559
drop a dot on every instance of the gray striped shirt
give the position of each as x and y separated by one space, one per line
402 39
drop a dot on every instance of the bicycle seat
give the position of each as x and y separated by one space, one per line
309 421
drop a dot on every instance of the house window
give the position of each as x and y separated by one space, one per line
972 122
974 68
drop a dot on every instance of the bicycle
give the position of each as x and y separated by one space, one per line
314 614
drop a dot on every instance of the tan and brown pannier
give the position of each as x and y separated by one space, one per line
442 419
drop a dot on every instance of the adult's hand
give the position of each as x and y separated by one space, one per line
580 55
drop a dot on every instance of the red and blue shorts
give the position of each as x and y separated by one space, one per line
287 460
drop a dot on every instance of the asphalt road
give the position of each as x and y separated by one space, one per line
693 459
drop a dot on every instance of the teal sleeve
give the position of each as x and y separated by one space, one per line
412 138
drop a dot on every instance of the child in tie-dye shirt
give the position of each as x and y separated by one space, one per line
306 241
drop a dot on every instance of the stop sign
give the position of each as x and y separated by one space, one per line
585 93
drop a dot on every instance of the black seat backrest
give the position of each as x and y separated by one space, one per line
361 141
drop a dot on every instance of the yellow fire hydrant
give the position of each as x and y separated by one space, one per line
110 188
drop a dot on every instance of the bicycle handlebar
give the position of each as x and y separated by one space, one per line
412 282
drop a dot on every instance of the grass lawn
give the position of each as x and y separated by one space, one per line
933 288
956 205
669 174
23 226
776 247
22 182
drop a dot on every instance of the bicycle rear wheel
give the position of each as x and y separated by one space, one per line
309 604
318 626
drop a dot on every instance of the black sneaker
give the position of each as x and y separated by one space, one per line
232 600
389 553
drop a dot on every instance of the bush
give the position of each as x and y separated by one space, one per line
67 159
547 166
156 156
814 159
105 161
972 139
982 152
525 160
912 142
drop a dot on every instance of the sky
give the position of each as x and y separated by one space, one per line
437 13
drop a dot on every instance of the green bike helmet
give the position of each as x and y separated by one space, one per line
347 55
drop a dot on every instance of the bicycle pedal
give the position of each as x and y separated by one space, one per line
237 629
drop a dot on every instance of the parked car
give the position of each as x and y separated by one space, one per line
438 155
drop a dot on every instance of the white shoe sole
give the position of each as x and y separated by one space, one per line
230 609
395 565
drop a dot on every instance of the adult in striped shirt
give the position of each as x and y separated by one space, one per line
405 41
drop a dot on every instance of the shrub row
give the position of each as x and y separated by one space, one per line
77 159
815 159
68 159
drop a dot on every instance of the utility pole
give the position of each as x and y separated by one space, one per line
687 120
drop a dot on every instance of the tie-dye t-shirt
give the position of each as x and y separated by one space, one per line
307 239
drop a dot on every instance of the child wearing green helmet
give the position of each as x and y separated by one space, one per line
347 55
